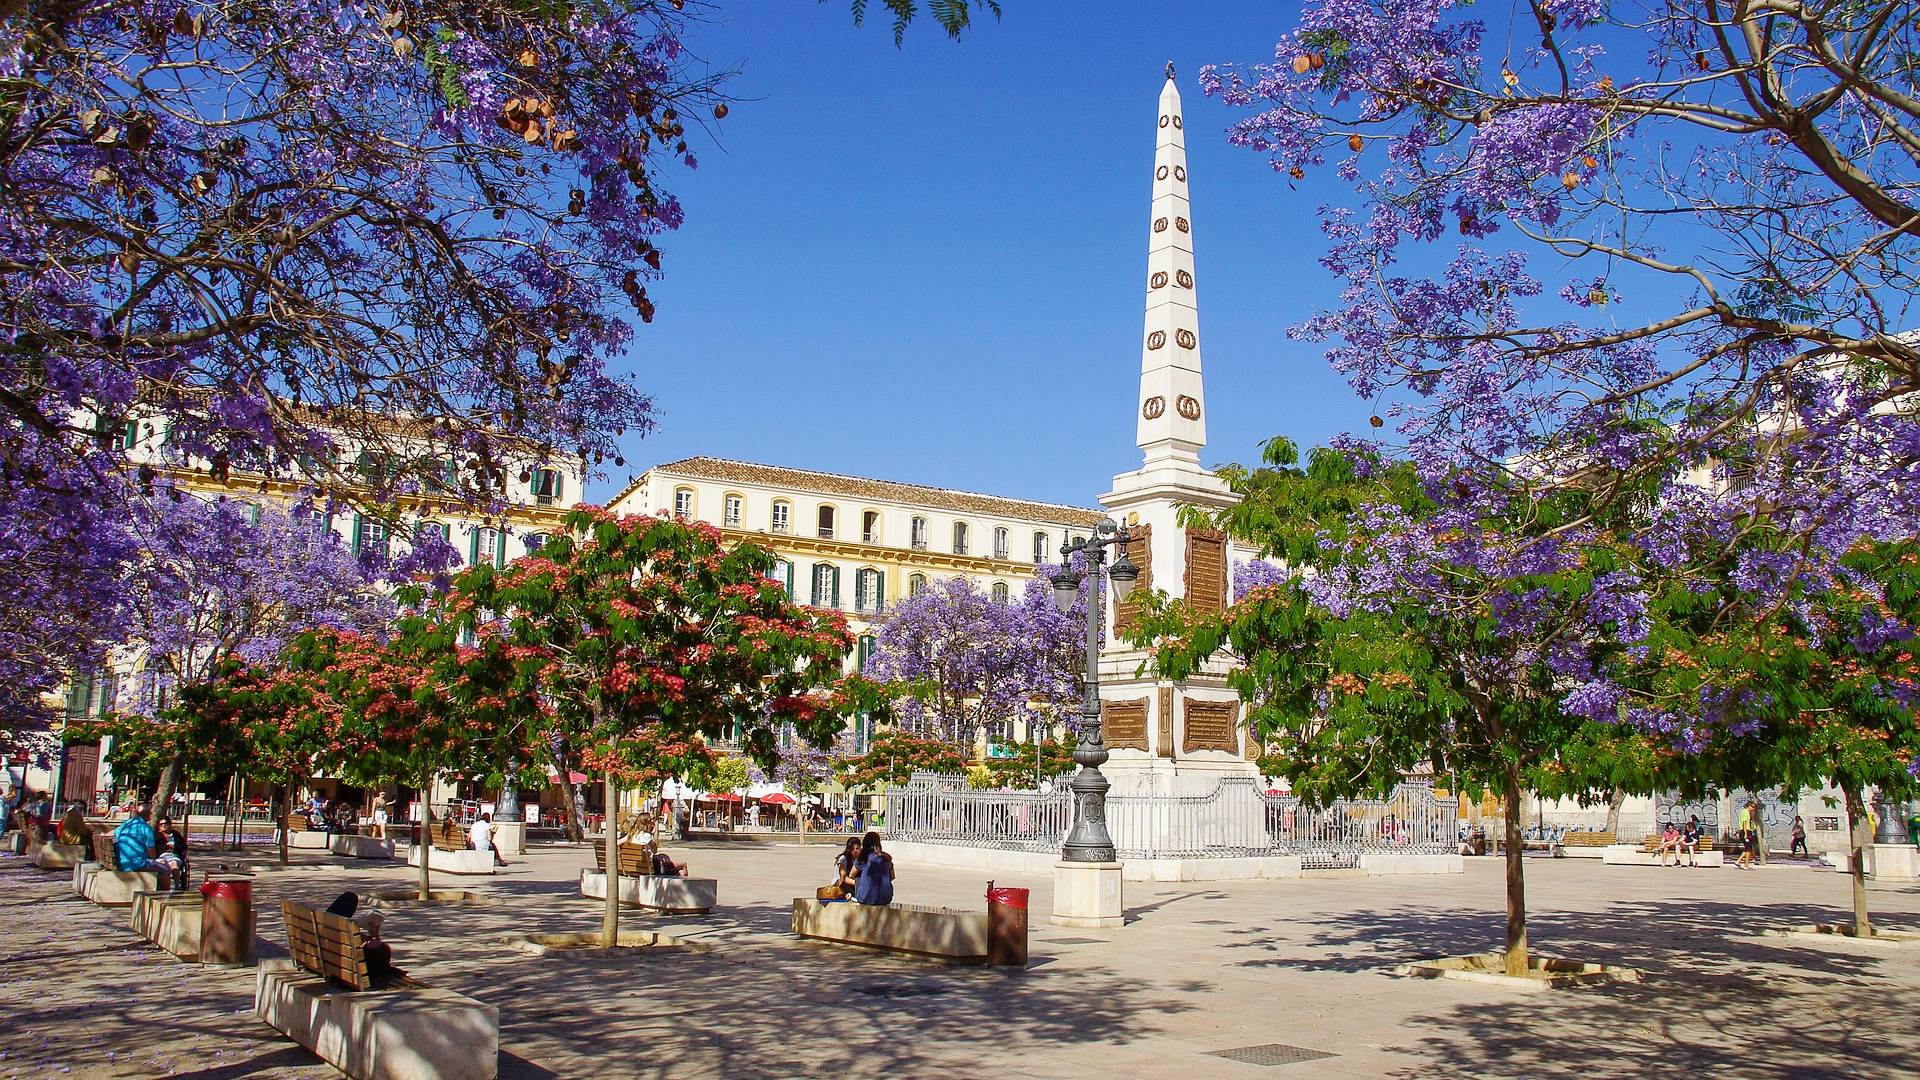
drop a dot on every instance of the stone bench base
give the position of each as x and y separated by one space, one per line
673 895
170 920
454 862
408 1033
1633 855
60 856
953 937
117 888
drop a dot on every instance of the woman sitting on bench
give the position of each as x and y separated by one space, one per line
379 953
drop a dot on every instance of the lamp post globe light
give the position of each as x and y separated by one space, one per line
1089 841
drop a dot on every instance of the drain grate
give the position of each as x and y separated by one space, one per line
1074 941
904 991
1272 1054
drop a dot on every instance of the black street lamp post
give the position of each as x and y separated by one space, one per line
1089 841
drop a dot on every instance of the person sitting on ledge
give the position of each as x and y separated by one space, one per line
73 827
873 875
134 845
379 953
173 853
665 865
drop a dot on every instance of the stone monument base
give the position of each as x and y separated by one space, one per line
510 837
1894 862
1088 895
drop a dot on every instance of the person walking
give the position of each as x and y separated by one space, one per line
1799 839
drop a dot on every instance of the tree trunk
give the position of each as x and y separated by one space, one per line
426 835
1614 802
163 790
576 816
610 920
1516 882
1856 824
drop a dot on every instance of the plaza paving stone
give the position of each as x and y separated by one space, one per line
1201 968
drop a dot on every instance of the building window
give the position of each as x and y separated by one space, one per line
869 590
547 486
823 521
91 694
870 527
826 585
916 584
486 547
864 653
960 538
919 534
1001 543
369 535
126 436
782 512
535 541
733 507
1040 545
782 575
683 503
999 592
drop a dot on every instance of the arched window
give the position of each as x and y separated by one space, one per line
782 515
1040 545
916 584
732 511
869 590
920 534
782 575
824 521
826 585
999 592
960 532
683 503
1001 543
870 527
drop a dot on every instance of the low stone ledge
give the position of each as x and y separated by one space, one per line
396 898
308 840
1393 863
1543 972
412 1032
1832 933
454 862
117 888
953 937
565 944
1634 855
171 920
60 856
355 846
671 895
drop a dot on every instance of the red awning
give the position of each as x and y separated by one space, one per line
778 798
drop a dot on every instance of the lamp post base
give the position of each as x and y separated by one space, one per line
1088 895
510 837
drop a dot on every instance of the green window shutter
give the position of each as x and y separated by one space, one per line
79 692
473 545
499 549
879 590
789 579
836 587
359 533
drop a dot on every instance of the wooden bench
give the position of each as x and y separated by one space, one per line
450 835
951 937
1647 853
1586 843
451 849
324 998
635 861
1651 844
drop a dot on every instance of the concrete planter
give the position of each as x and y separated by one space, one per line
1633 855
672 895
1544 972
564 944
1826 934
171 921
952 937
60 856
454 862
411 898
412 1033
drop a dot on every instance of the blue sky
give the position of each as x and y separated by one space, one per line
926 264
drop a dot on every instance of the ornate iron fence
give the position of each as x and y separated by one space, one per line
1234 820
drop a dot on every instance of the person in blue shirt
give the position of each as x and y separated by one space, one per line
873 874
135 842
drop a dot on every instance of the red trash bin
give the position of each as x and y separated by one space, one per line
1006 926
226 921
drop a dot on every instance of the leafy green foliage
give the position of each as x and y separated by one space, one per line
953 16
893 757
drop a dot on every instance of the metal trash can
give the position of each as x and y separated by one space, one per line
1006 926
226 921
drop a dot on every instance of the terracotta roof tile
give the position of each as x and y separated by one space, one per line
823 483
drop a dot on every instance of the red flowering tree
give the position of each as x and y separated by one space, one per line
624 635
893 757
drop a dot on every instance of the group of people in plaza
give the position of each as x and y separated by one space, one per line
138 846
862 873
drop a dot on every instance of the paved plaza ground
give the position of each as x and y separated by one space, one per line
1200 968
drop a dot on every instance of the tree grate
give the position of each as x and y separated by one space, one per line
1074 941
904 991
1272 1054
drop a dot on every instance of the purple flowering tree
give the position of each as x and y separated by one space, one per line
224 580
279 227
979 663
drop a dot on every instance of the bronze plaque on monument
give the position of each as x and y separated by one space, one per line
1139 551
1209 726
1206 571
1123 724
